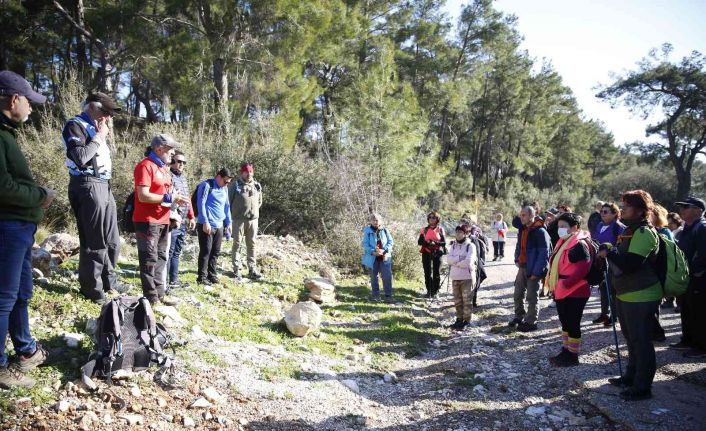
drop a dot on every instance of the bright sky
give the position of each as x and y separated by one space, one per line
587 40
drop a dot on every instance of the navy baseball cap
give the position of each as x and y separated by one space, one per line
692 202
12 83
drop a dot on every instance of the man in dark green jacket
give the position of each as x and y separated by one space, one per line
22 203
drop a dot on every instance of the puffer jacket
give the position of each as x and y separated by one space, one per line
463 261
539 247
574 264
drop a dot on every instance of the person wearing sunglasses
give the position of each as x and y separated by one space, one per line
179 214
88 160
433 245
607 231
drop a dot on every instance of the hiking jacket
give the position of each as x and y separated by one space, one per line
573 266
496 228
538 247
630 268
429 234
608 233
692 241
20 197
86 154
369 243
462 260
214 207
245 199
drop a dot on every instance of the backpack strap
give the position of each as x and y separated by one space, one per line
115 338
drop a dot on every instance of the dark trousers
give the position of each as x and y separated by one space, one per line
570 311
604 299
432 278
636 324
693 314
152 252
93 205
175 246
498 248
209 249
16 240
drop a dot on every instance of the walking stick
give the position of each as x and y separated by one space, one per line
613 316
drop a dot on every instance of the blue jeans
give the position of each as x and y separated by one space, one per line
16 240
177 242
384 268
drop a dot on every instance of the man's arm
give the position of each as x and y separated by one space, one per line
79 147
22 195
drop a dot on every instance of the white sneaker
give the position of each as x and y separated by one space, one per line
552 304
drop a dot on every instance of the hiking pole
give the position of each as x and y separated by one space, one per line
613 316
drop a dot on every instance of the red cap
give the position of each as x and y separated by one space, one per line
247 167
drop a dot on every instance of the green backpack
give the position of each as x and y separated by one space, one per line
671 267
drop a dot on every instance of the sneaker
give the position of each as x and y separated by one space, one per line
680 346
204 282
621 382
695 354
667 304
254 275
552 304
632 394
213 280
457 324
12 377
178 285
527 327
30 362
514 322
601 319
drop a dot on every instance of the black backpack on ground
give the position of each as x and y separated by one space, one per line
128 337
194 197
128 211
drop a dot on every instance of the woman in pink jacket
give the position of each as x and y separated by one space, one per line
463 262
568 267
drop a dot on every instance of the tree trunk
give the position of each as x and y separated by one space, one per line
220 81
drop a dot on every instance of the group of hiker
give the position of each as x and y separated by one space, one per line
159 211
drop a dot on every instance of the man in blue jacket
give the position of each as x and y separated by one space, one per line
213 221
532 260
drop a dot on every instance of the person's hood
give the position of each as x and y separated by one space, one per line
537 223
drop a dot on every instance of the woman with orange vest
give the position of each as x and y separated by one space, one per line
433 243
568 267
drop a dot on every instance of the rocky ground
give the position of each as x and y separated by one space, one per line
370 366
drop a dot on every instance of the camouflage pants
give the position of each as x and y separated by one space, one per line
463 298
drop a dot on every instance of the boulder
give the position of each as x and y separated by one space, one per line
62 244
321 290
303 318
42 260
329 273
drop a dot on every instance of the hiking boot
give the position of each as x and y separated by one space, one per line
601 319
667 304
204 282
695 354
213 280
609 321
12 377
621 382
632 394
561 354
659 337
30 362
464 324
389 300
567 360
456 325
254 275
680 346
677 309
514 322
527 327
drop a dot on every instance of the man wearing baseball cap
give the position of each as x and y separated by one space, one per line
22 203
245 195
154 196
692 241
88 159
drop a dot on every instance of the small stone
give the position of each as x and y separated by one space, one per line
197 332
107 419
36 273
132 419
23 403
166 417
243 422
188 422
136 408
57 385
535 411
390 377
161 402
212 395
351 384
62 406
72 339
207 416
367 359
200 403
479 390
136 392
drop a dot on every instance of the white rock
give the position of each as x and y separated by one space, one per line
161 402
107 419
390 377
62 406
72 339
303 318
212 395
61 243
200 403
535 411
43 281
132 420
36 273
136 392
479 390
188 422
351 384
321 290
172 313
197 332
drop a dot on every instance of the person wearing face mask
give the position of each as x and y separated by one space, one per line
607 231
638 292
22 205
433 244
462 260
88 159
154 197
568 268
